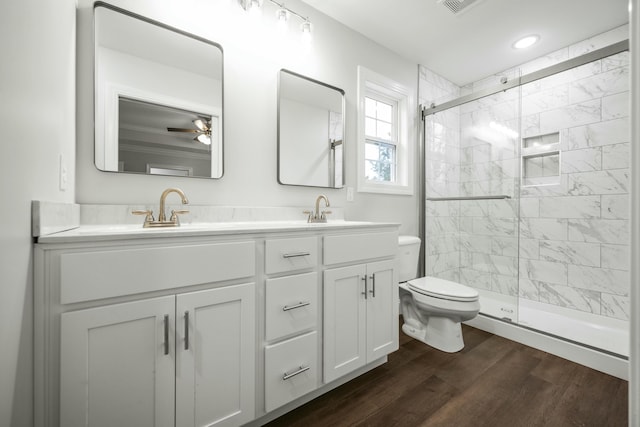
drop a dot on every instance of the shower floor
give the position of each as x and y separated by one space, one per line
611 335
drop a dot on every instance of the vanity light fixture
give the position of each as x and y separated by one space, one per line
282 14
251 4
305 27
526 42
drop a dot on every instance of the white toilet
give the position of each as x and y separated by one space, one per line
432 307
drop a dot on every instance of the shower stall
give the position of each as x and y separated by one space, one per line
526 194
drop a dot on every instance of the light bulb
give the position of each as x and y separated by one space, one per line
204 138
305 27
282 14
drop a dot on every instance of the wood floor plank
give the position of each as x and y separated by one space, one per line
491 382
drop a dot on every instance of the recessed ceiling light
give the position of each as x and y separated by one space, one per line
526 42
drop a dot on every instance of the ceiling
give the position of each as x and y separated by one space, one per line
475 42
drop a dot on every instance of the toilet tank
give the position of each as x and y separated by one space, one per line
408 255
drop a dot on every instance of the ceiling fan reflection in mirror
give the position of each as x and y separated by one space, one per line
203 130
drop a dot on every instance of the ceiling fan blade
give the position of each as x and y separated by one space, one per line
183 130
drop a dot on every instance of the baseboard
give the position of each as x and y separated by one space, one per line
604 362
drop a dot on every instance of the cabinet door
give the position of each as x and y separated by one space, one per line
117 365
344 335
215 356
382 310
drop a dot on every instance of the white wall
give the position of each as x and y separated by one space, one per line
37 118
254 52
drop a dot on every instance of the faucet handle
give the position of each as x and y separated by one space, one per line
148 213
175 213
323 214
309 215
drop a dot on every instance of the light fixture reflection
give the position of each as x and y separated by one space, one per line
505 130
201 124
204 139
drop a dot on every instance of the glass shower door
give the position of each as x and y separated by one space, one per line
472 199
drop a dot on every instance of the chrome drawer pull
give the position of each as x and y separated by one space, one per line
295 254
166 334
293 374
298 305
373 285
186 330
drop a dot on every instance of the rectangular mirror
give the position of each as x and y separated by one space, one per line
310 132
158 97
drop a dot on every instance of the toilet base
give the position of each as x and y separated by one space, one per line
440 333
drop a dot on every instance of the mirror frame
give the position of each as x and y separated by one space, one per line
177 31
312 80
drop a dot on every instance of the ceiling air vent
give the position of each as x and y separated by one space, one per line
457 6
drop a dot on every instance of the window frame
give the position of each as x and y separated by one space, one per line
375 86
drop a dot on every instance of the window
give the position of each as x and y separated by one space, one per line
384 137
380 124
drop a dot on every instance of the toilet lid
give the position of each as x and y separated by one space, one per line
444 289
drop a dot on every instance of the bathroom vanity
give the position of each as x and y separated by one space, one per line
207 324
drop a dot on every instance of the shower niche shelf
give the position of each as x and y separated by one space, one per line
541 160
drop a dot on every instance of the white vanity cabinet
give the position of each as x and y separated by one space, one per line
117 365
360 302
207 328
121 363
184 358
291 320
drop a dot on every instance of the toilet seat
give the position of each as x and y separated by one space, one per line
443 289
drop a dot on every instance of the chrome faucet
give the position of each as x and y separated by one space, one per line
162 221
319 216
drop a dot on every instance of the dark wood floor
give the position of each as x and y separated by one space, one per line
492 382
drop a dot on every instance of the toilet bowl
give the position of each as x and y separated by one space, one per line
432 308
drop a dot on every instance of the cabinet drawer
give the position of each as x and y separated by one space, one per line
291 370
283 255
291 305
87 276
358 247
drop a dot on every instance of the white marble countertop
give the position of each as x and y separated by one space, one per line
110 232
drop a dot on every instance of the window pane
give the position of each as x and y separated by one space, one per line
380 160
370 126
369 107
384 112
378 171
384 130
371 151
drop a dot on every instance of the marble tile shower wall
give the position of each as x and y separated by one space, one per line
574 236
442 156
564 244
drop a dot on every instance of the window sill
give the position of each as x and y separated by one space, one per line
384 188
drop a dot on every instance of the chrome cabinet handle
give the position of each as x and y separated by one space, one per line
295 254
373 285
166 334
298 305
186 330
302 369
365 286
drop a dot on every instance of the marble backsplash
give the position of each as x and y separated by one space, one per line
49 217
